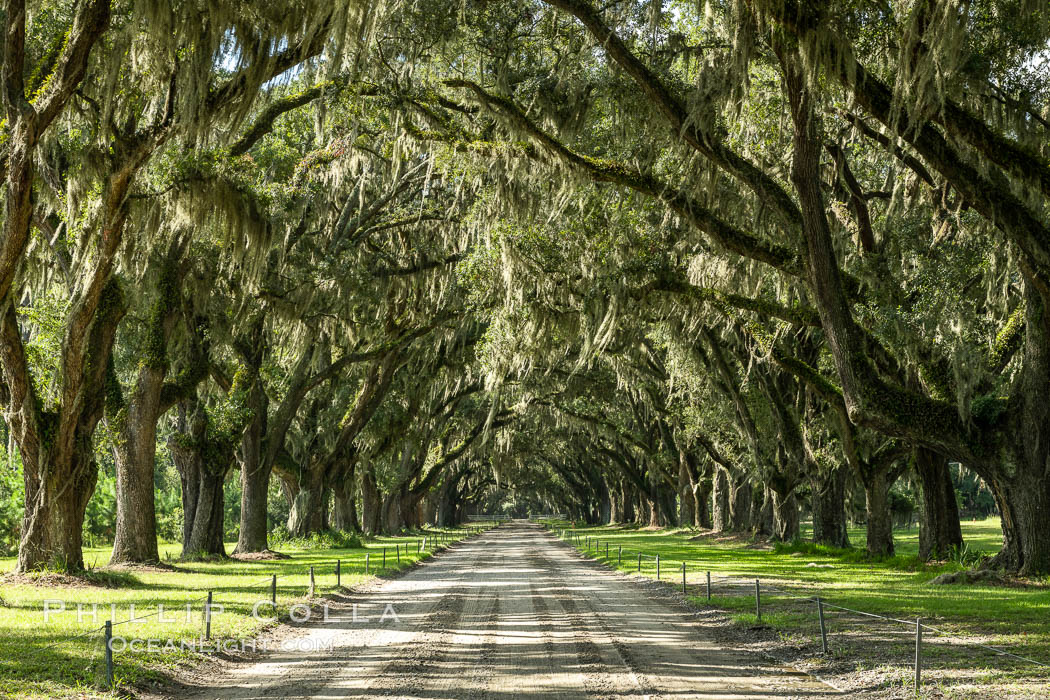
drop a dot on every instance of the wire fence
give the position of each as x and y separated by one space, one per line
100 669
720 585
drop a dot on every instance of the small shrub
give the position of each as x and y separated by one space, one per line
965 557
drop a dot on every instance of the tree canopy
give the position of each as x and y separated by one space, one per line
368 265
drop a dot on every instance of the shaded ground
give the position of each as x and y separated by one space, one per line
512 614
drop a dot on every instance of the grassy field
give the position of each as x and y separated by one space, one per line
63 657
1015 617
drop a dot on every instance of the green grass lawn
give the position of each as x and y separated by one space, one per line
1016 618
980 536
50 660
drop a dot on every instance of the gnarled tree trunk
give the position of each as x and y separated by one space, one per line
58 462
762 512
739 503
370 503
939 530
720 499
54 516
1024 508
135 420
308 513
203 475
627 499
785 517
880 520
616 503
702 500
686 492
829 509
344 505
255 474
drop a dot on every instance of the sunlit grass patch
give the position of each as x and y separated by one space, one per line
1013 617
63 656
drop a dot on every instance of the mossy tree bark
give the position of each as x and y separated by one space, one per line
939 530
344 501
720 497
686 500
829 508
740 497
55 443
309 508
371 502
134 419
630 513
203 463
263 444
785 517
880 520
616 503
255 460
56 447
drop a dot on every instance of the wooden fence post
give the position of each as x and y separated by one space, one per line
207 617
918 656
823 629
109 652
758 602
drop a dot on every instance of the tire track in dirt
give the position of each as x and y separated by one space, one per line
582 627
486 653
545 623
430 644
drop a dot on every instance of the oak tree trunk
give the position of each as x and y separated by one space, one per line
370 503
739 504
134 458
255 476
686 494
939 531
307 514
720 497
829 509
202 472
344 507
627 500
702 502
1024 508
616 504
53 522
880 520
785 517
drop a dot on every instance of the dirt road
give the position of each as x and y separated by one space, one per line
513 613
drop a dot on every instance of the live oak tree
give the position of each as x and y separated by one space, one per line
720 264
